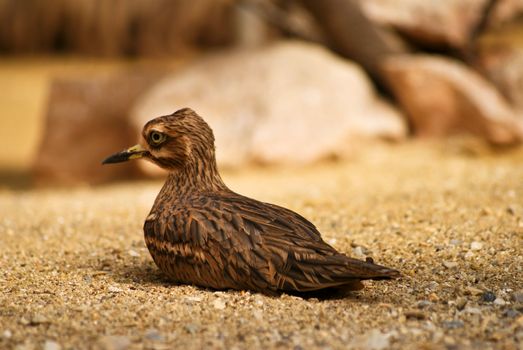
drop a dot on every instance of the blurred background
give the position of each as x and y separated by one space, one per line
282 82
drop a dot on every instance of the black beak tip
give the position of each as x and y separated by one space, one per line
116 158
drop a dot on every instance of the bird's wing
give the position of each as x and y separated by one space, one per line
280 248
206 243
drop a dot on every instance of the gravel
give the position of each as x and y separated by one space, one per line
76 274
488 297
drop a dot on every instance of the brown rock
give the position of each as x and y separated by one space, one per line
504 67
87 119
505 11
444 97
287 103
448 22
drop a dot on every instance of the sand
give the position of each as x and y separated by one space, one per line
75 272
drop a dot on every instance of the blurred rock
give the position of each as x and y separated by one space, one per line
504 67
505 11
113 342
287 103
87 119
372 340
444 97
448 22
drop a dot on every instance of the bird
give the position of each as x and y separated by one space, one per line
199 232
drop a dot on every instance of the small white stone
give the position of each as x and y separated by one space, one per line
218 304
499 301
258 314
114 289
476 245
133 253
358 252
114 342
7 334
51 345
376 340
472 310
193 299
450 264
469 255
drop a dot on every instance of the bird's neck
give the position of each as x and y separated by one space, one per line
193 179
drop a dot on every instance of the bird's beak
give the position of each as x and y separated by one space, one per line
137 151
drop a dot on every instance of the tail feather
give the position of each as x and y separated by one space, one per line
331 271
365 270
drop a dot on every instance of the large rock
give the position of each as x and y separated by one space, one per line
442 97
287 103
87 119
505 68
505 11
444 22
500 58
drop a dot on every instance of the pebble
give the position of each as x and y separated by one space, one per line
192 299
51 345
114 342
433 285
374 340
472 310
415 315
476 245
517 296
258 300
39 319
423 304
455 242
191 328
449 341
258 314
358 252
511 313
133 253
450 264
7 334
154 335
500 301
453 324
219 304
473 290
25 346
460 303
488 297
433 297
114 289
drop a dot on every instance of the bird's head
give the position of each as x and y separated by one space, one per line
173 142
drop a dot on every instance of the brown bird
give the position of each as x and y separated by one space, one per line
200 232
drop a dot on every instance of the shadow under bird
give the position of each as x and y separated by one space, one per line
200 232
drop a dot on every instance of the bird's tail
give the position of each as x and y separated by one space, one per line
367 270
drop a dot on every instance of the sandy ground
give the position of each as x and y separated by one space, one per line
75 272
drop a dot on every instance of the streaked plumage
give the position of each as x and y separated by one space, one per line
200 232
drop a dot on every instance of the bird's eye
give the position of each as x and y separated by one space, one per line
156 137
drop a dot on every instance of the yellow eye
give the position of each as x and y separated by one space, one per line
156 137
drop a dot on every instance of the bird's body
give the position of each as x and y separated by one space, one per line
200 232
